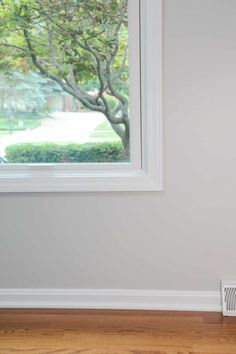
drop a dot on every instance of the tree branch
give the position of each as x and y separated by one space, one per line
55 78
13 46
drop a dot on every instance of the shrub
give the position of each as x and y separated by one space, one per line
65 153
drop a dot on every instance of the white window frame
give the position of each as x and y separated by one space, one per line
145 172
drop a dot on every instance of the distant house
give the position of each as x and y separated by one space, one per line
60 103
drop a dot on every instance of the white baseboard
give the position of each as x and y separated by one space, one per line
111 299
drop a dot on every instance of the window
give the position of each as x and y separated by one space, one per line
80 95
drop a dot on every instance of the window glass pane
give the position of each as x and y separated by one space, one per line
64 81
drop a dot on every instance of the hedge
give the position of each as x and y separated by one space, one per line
65 153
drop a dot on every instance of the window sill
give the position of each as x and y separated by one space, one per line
95 181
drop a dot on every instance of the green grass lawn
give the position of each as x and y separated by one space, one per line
18 124
104 131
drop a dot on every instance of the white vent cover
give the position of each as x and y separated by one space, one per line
229 298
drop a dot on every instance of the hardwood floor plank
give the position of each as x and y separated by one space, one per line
115 332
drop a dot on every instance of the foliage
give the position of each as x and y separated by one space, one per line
72 42
69 153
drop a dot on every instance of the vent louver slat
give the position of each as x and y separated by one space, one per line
229 298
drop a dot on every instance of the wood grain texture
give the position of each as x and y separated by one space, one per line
115 332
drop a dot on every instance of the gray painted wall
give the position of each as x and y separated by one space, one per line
181 239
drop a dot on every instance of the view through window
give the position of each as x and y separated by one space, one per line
64 81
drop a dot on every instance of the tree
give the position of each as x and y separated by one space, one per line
26 92
72 42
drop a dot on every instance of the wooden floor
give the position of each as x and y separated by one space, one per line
112 332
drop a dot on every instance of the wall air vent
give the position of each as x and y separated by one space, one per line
229 298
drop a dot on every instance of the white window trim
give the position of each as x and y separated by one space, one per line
145 173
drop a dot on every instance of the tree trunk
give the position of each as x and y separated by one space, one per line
124 135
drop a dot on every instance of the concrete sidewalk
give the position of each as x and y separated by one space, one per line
62 127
